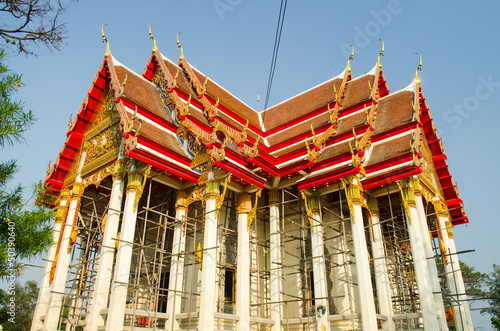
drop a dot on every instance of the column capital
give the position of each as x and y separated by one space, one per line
274 197
407 193
312 208
136 183
77 190
62 208
64 195
407 197
441 208
244 203
212 189
417 188
60 212
313 205
180 200
353 190
449 230
119 170
373 203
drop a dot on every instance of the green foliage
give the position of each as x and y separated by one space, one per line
24 230
474 282
24 297
493 295
495 322
14 120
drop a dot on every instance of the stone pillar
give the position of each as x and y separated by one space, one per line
209 264
318 262
243 272
100 294
119 287
462 297
44 292
177 262
380 267
367 304
429 254
427 306
275 257
64 254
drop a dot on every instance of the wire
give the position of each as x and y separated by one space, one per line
277 40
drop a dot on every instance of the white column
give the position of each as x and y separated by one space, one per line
100 294
464 304
243 265
64 255
318 263
119 287
461 311
45 286
275 256
380 267
419 260
431 262
444 244
177 263
209 264
365 289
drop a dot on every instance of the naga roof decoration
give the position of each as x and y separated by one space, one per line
182 123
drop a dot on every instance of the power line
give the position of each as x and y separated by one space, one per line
277 40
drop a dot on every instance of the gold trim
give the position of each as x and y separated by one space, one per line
373 207
253 212
408 198
353 193
220 198
98 176
136 183
312 208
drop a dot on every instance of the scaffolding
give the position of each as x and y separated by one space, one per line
148 285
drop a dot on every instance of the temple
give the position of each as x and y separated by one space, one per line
179 207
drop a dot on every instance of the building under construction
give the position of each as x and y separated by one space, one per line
179 207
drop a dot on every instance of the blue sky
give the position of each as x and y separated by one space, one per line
232 42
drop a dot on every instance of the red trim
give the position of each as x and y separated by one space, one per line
164 151
391 177
330 177
240 174
389 163
163 165
394 132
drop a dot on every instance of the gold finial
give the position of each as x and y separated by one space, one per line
418 68
179 45
350 58
104 39
380 54
151 36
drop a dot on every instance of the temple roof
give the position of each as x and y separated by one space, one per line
342 127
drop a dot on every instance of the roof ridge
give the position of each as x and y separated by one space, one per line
117 63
